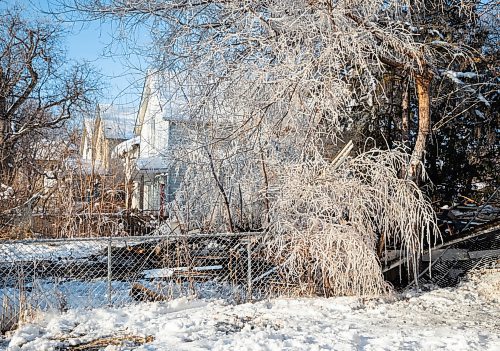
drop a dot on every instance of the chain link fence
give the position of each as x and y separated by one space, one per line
451 262
67 273
476 245
60 274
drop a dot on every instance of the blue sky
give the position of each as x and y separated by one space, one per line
122 73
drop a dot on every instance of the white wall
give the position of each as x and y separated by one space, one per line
154 132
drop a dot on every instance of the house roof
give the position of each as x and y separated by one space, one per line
118 122
125 146
85 166
55 149
175 94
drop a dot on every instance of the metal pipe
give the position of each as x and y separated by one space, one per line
132 238
109 272
249 270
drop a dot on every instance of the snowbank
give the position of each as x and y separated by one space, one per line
463 318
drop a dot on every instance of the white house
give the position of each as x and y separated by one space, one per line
152 173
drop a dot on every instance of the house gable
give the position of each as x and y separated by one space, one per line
110 127
152 127
86 145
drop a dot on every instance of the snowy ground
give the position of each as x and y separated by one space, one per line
29 251
463 318
61 249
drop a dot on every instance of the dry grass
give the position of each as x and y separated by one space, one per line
126 341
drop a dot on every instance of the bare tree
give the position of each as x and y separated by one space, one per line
38 90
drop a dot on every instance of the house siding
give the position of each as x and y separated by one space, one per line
154 130
177 170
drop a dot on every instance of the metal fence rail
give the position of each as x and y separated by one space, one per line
93 272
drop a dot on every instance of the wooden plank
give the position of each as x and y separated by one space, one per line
342 155
447 255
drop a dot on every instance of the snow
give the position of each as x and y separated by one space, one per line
169 272
85 165
467 75
54 249
6 192
483 100
479 114
28 251
126 146
463 318
455 76
56 149
479 185
153 163
119 122
436 33
173 91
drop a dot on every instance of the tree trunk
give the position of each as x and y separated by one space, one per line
423 83
6 159
222 192
3 133
405 113
266 186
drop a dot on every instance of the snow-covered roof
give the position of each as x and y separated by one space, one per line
85 166
154 163
118 122
125 146
53 150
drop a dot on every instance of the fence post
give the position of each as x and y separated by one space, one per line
109 272
249 269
